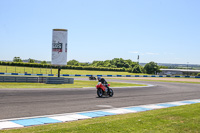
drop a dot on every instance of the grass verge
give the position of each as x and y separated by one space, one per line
173 81
159 80
175 119
77 84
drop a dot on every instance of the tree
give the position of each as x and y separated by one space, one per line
120 63
137 69
73 63
163 67
17 59
84 64
152 68
133 64
107 63
43 62
98 63
31 60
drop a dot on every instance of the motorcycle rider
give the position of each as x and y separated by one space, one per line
103 81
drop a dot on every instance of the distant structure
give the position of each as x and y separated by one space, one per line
178 72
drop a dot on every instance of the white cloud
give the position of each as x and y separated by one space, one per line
150 53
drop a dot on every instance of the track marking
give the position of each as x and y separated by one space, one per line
40 120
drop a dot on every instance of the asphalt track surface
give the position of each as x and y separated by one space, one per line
17 103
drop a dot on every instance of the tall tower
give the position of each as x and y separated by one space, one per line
59 47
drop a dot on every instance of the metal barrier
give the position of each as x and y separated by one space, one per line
59 80
19 79
47 80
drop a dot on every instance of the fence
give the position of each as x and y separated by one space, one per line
20 69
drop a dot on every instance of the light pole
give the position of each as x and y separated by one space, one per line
187 68
138 59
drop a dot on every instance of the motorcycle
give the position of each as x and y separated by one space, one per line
102 90
92 78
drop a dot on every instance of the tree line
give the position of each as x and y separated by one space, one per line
116 64
127 65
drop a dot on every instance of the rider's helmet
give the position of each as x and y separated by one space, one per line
98 77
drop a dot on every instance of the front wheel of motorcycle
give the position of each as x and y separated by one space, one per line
99 92
111 93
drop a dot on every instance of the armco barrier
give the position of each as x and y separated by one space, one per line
59 80
48 80
19 79
78 75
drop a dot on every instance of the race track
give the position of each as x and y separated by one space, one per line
16 103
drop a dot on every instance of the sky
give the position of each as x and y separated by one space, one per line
163 31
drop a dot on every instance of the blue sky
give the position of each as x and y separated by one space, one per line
163 31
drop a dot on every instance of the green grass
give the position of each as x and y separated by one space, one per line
182 119
77 84
13 69
159 80
175 81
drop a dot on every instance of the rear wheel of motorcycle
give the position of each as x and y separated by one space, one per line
111 93
100 92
